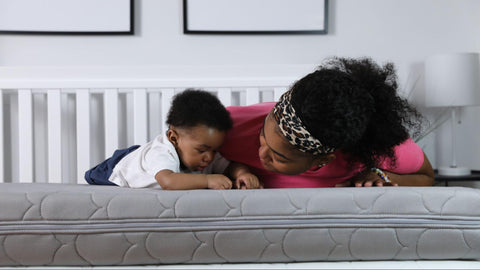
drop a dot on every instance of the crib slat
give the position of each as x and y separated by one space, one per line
54 136
225 96
252 96
83 133
154 108
167 96
2 152
110 100
278 92
25 136
139 116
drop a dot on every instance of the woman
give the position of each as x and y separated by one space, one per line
341 125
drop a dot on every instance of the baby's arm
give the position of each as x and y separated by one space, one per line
169 180
242 176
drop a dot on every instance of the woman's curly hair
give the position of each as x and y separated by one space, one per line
353 106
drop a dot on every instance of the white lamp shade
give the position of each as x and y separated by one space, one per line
452 80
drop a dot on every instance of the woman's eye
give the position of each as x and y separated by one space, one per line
200 151
279 160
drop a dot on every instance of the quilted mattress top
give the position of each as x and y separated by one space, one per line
34 203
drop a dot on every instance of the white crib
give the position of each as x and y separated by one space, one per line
55 123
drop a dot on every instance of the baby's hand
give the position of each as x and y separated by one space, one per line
218 181
247 181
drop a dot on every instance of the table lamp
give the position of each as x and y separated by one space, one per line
452 80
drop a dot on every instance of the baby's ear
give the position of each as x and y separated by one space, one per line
172 136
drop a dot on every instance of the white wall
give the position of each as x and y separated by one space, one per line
402 31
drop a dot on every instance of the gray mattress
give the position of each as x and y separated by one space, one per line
58 224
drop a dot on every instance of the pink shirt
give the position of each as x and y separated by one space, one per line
242 145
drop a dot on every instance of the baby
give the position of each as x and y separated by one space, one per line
188 159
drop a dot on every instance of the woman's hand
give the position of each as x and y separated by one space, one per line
243 178
365 180
247 181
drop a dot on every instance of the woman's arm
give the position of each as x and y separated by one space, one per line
169 180
422 177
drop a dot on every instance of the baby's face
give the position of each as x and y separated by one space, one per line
197 146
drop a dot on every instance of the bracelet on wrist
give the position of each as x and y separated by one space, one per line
381 174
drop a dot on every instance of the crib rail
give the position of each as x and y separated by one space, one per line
54 134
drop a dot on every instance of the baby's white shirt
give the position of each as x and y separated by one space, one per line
138 168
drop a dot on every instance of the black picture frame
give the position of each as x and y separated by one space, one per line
31 27
194 9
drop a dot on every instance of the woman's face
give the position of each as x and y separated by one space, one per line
278 155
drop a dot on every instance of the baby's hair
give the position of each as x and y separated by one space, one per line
193 107
352 105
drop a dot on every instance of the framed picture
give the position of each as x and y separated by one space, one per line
66 17
255 16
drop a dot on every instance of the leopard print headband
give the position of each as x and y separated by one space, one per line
294 130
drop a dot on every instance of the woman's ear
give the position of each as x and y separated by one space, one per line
328 158
320 161
172 136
